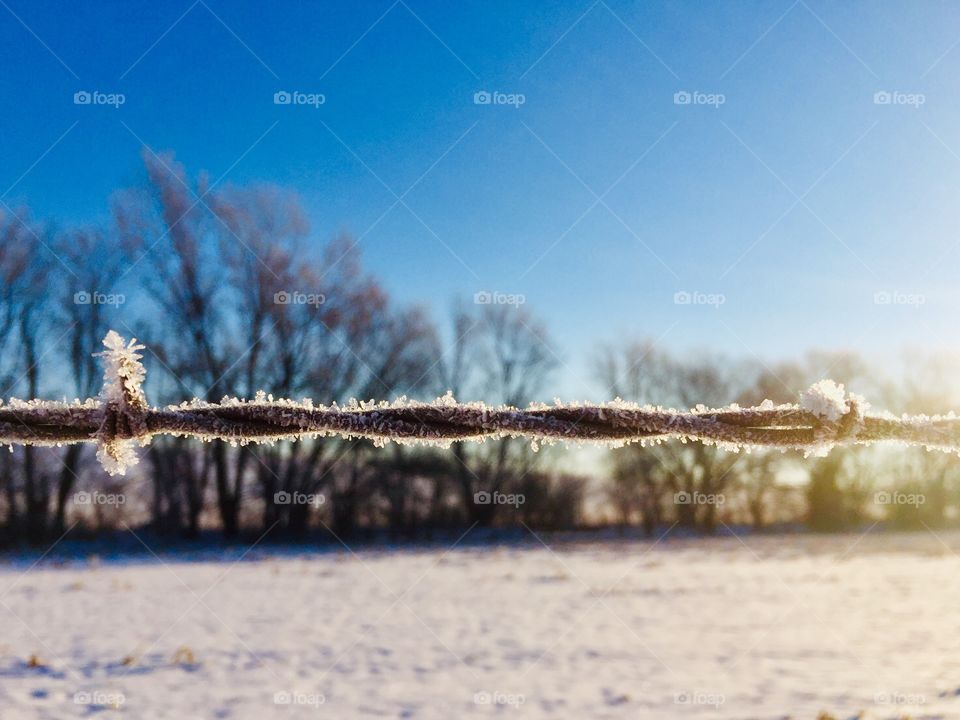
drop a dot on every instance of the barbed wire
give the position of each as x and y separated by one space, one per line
121 418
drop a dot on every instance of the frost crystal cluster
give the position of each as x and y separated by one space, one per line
825 399
123 396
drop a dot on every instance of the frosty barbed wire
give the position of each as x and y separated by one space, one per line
121 418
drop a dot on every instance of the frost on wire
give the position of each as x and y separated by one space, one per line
121 418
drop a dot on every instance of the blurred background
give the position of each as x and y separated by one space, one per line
667 203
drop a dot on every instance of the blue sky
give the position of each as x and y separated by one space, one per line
787 186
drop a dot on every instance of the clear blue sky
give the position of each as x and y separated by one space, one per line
797 199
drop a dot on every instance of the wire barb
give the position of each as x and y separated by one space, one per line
121 418
123 402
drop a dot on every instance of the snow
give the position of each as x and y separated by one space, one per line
760 628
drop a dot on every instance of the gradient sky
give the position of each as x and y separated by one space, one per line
798 199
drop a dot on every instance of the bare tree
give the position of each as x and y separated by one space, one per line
694 476
640 483
25 264
503 354
86 308
214 259
19 246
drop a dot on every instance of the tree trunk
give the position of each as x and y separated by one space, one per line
37 499
226 500
68 476
12 523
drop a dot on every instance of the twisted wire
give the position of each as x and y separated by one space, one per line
121 418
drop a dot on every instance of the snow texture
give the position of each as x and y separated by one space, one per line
772 628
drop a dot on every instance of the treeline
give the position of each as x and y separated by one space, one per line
700 487
232 295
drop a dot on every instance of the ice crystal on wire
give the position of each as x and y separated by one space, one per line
123 377
825 399
125 418
117 455
123 373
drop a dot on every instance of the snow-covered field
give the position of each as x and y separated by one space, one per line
721 628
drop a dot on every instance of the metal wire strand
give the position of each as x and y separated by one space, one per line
121 418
